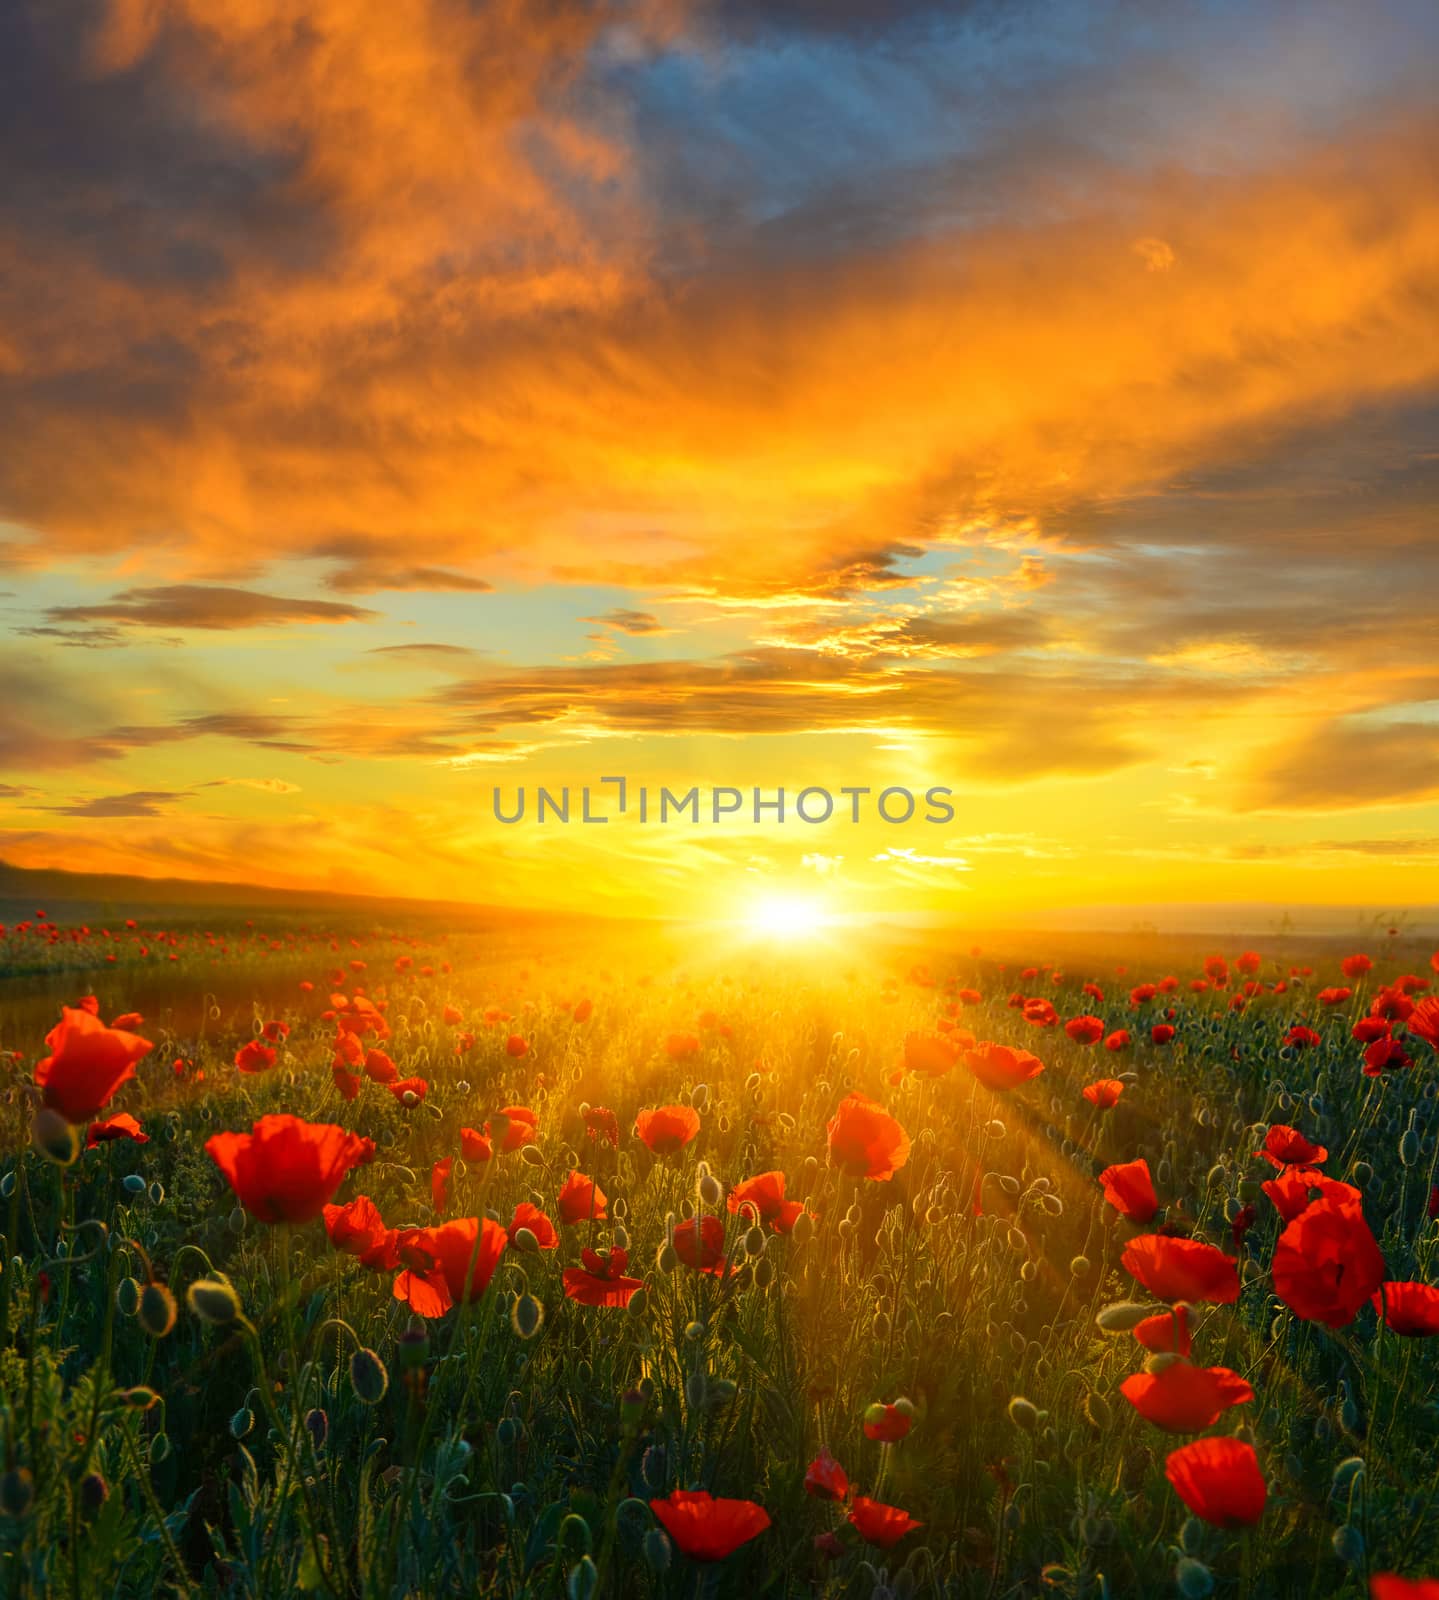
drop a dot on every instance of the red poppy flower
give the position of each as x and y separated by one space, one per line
121 1126
1334 996
128 1021
474 1146
521 1125
379 1068
1287 1147
707 1529
581 1200
347 1082
1118 1040
1040 1013
886 1423
825 1479
87 1063
879 1524
1326 1263
865 1141
1085 1030
1301 1038
667 1128
1161 1032
1410 1309
1142 993
680 1045
1296 1187
1183 1398
1130 1190
928 1055
286 1169
1389 1586
1355 966
530 1216
602 1123
1219 1480
1386 1055
1423 1022
699 1243
452 1015
440 1183
463 1256
999 1067
1104 1093
407 1086
358 1229
601 1281
1181 1269
275 1031
1168 1331
765 1194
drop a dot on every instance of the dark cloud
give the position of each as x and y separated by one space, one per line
625 621
1348 764
138 803
206 606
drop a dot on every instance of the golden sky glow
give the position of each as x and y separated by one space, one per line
1035 401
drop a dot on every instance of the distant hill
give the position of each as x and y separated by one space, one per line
23 890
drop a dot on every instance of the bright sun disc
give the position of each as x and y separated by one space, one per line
787 916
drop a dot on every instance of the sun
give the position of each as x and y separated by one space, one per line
787 916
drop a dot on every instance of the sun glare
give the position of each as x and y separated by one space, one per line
787 916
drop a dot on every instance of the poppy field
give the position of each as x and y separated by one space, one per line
363 1261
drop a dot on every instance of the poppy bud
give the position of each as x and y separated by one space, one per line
754 1242
696 1390
1348 1544
1024 1413
1362 1174
157 1310
213 1300
133 1183
524 1239
1097 1410
127 1297
241 1423
652 1466
526 1316
657 1551
639 1303
803 1230
159 1448
54 1138
711 1191
695 1331
1193 1579
156 1193
700 1096
510 1430
583 1580
532 1155
7 1185
17 1492
1079 1266
368 1377
763 1274
667 1258
317 1424
1409 1144
1122 1316
236 1221
138 1398
94 1492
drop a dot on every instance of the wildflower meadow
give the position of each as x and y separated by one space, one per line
352 1260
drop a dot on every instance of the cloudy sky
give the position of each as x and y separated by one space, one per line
398 401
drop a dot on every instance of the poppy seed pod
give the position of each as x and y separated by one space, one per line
368 1377
213 1300
54 1138
157 1311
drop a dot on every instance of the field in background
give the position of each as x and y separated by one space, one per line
950 1335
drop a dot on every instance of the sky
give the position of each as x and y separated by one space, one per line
1038 400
